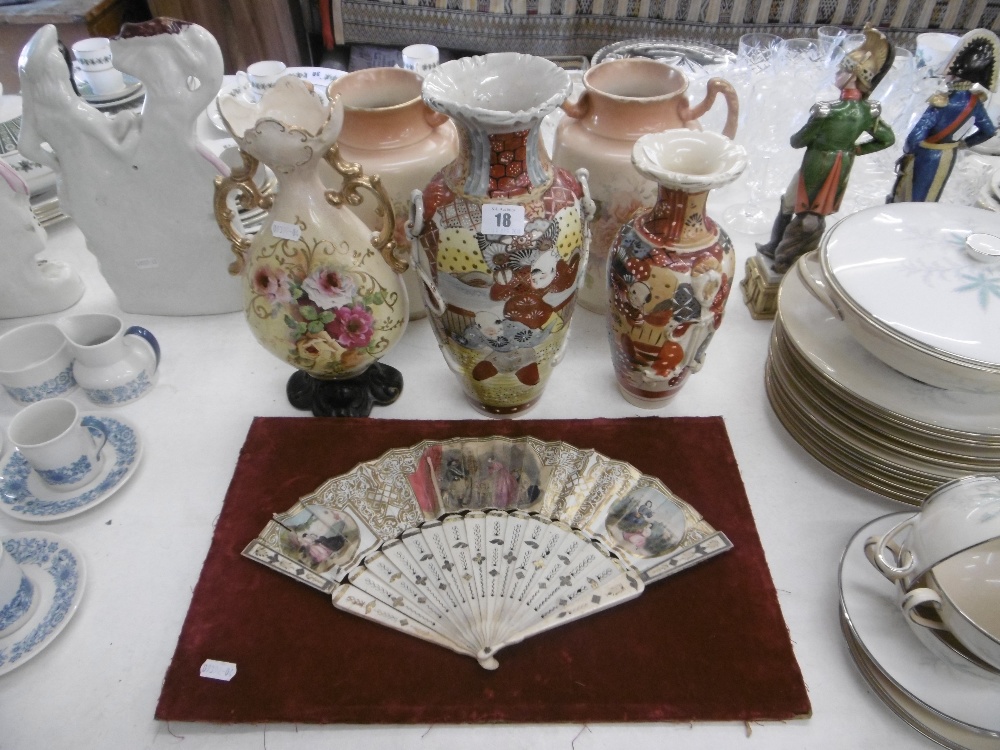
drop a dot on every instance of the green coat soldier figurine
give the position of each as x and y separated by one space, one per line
931 147
830 140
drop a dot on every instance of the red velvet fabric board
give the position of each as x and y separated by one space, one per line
708 644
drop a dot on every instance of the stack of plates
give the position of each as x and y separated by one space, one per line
40 179
955 707
869 423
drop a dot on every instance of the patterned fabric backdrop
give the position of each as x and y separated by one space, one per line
581 27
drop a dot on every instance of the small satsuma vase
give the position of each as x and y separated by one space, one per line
500 233
671 267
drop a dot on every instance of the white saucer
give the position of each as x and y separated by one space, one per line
929 724
23 494
56 568
130 89
962 704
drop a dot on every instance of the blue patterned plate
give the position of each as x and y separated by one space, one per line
56 568
24 495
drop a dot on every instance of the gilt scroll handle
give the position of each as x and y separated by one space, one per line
248 195
354 178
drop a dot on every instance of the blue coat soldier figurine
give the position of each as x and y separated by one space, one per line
931 147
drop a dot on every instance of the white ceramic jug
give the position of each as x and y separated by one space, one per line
114 365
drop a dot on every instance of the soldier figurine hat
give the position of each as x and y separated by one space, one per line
871 60
975 59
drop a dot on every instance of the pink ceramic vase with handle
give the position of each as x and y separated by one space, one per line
388 128
622 101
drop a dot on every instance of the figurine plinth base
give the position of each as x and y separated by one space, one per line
760 288
379 385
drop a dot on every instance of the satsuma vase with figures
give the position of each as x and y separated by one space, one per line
500 233
671 266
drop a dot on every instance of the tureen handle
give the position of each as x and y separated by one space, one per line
811 273
901 563
914 599
248 195
354 178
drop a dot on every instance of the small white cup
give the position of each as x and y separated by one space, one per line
933 50
420 58
36 362
259 77
65 453
93 58
18 597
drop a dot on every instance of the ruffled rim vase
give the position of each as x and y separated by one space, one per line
476 92
500 295
671 266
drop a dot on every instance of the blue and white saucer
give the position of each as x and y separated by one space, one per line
56 568
25 496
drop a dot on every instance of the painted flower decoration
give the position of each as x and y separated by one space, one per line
330 289
272 283
352 326
314 348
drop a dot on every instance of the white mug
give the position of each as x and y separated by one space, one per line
36 363
64 452
93 59
259 77
420 58
18 597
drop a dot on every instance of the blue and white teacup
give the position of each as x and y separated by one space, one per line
65 453
18 596
36 363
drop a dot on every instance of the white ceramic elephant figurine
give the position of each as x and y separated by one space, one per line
139 186
28 286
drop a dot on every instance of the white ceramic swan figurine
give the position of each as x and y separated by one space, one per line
139 186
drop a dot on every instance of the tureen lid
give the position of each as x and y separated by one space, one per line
918 272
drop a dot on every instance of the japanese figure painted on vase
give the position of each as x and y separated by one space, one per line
500 234
671 267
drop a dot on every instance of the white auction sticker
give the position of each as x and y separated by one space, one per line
218 670
502 218
285 231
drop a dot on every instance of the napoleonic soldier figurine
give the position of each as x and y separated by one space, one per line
947 125
830 139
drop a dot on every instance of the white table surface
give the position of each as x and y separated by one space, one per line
97 684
